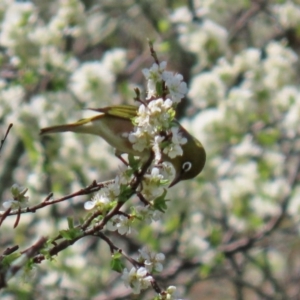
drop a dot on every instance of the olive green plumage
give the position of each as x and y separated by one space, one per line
113 125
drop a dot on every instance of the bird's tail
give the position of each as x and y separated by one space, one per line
74 127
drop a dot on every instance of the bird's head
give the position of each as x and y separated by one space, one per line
192 161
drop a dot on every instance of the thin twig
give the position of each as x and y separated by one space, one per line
5 136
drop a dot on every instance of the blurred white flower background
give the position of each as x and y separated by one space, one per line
230 233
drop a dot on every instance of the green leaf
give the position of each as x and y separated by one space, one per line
215 237
70 223
255 221
70 234
116 263
29 77
46 254
8 259
268 137
117 255
173 224
134 163
163 25
241 207
205 270
159 88
264 169
125 193
160 202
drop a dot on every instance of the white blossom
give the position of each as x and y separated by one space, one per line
120 223
207 89
18 20
90 80
239 102
115 60
174 149
105 196
137 279
288 13
69 19
11 97
169 294
150 121
286 97
154 76
148 214
156 147
99 200
247 60
152 261
52 56
278 66
247 148
139 139
167 170
152 184
199 38
176 86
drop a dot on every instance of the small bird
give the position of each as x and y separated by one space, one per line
114 124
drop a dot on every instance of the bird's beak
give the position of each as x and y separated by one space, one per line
176 179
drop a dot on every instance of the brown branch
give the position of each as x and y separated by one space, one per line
114 248
152 51
4 215
241 23
5 136
18 218
98 227
94 187
8 251
18 264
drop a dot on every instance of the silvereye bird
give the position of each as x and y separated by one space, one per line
114 124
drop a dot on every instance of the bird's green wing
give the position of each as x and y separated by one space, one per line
121 111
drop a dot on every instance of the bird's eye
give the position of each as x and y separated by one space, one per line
186 166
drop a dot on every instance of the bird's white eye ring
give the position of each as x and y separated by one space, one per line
186 166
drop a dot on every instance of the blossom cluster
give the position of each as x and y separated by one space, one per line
105 196
140 278
156 117
157 75
137 279
152 261
246 100
121 223
156 129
